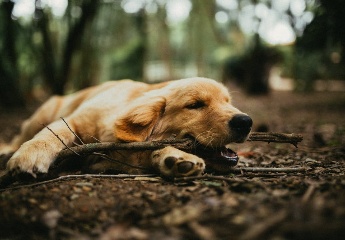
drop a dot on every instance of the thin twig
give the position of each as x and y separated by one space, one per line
79 176
204 177
266 169
72 131
241 170
96 139
69 148
263 175
310 191
180 179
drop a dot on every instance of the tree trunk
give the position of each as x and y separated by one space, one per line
165 47
57 71
49 66
10 95
256 81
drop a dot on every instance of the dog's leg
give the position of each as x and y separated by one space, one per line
171 162
43 116
37 154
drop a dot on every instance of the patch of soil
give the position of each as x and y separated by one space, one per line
273 205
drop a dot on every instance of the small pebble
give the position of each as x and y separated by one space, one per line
74 196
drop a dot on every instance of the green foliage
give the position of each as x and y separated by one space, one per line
126 62
10 95
320 51
98 40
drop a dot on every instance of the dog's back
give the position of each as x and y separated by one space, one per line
112 95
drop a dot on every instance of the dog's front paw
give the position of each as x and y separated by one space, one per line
172 162
32 157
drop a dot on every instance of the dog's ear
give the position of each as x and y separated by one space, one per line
137 123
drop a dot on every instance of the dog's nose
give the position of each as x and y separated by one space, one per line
241 123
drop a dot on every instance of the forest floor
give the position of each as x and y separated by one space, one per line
273 205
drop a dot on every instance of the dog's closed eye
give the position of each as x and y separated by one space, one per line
195 105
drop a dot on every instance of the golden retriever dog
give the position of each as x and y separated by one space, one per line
129 111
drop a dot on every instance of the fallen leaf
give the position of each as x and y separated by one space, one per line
51 218
179 216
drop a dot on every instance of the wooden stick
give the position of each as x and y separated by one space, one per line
292 138
182 144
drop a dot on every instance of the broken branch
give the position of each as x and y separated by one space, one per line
292 138
182 144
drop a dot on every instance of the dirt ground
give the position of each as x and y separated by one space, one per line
307 204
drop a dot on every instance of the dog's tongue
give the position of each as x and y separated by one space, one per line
220 160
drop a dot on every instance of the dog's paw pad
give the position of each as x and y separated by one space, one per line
182 166
185 167
170 162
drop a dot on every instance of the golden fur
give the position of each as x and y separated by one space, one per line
127 111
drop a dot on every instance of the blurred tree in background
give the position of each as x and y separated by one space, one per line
320 51
10 94
59 46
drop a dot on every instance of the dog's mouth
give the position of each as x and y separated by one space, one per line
220 159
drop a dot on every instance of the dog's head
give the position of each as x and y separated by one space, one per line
196 108
201 109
